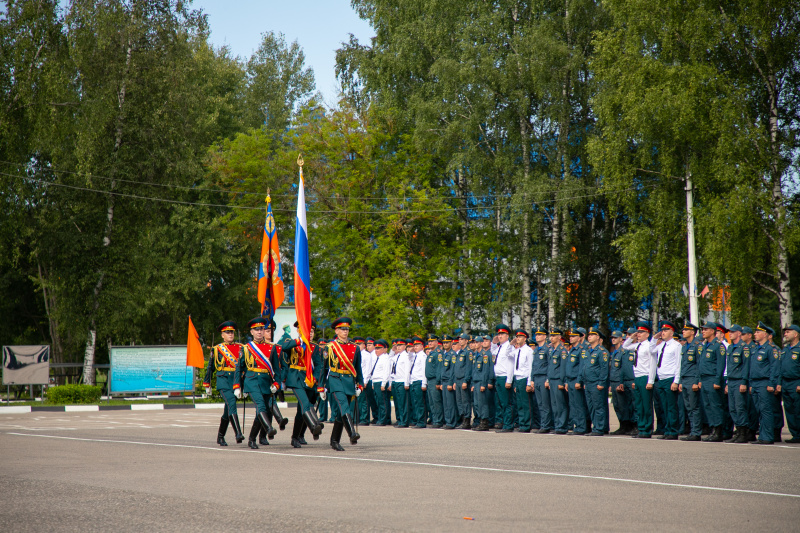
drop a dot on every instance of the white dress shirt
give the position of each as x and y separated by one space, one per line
416 363
645 358
523 362
401 366
383 369
367 362
669 353
504 364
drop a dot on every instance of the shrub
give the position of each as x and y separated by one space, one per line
72 394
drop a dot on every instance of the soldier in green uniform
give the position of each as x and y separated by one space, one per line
257 368
462 372
481 376
447 381
296 361
343 380
433 375
790 380
711 364
223 361
595 377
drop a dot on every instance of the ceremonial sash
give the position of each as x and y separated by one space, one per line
263 358
343 357
229 357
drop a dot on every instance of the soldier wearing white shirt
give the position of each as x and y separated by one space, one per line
380 384
668 370
416 380
644 376
504 377
523 360
367 362
393 354
400 380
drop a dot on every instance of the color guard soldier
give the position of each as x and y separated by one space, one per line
690 379
765 375
433 374
557 361
344 381
257 368
295 363
322 410
790 380
223 361
712 367
595 377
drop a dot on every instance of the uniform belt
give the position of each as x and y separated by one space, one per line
259 370
298 367
343 372
226 369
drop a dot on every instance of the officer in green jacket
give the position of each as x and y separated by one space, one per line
223 361
343 380
303 376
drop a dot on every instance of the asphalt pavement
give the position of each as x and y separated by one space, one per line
162 471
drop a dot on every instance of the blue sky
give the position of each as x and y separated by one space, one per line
319 26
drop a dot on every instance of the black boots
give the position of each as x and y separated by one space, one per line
467 424
263 420
735 437
715 436
483 426
350 428
234 419
251 442
624 428
278 416
223 428
313 423
336 434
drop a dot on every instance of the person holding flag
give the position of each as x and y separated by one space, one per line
344 381
258 370
295 362
224 361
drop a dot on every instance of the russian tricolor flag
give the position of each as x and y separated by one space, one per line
302 278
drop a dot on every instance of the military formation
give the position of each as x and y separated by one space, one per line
706 383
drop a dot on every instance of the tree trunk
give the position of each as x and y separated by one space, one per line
57 355
554 270
88 357
525 312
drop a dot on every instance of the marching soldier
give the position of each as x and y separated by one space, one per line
257 368
557 361
690 379
344 381
595 377
223 361
296 362
712 367
790 380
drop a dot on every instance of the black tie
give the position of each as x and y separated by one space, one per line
636 356
518 351
660 357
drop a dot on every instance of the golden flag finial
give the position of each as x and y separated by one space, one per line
300 160
268 198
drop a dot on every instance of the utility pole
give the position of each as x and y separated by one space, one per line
692 261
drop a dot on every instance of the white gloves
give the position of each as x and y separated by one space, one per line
273 389
208 391
237 393
323 395
358 392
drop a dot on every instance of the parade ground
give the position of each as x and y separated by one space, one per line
162 471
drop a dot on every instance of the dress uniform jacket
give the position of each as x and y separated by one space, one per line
258 375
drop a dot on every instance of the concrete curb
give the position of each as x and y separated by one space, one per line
22 409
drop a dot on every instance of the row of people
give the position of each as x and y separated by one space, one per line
556 381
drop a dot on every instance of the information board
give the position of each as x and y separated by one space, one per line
150 369
26 365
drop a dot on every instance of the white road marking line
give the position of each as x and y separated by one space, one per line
413 463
